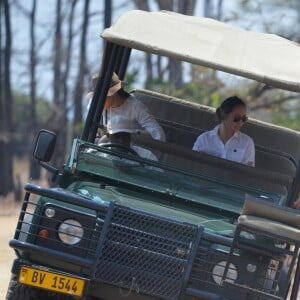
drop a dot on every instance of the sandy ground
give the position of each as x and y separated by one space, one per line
8 222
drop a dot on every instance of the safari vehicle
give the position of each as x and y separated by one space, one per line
188 226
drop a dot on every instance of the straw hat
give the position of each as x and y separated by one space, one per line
115 85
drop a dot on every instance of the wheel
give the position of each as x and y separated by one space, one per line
119 147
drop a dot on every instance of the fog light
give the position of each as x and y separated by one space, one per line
218 271
50 212
251 268
70 232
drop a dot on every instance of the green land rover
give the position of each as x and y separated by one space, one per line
187 226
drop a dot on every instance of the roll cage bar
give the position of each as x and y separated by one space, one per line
115 59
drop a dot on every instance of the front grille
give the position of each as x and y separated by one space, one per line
130 249
145 253
204 275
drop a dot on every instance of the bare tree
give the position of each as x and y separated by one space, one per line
208 8
78 95
6 140
175 67
70 36
2 140
212 10
34 171
59 119
143 5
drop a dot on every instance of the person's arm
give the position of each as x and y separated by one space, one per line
296 204
148 122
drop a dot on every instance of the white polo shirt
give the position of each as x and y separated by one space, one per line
239 148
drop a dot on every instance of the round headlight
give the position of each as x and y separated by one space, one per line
50 212
251 268
218 271
70 232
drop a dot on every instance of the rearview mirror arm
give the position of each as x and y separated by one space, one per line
48 167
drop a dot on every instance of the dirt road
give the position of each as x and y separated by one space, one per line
7 255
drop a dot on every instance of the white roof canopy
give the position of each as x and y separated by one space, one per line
266 58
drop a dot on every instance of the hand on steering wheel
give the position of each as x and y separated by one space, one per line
120 147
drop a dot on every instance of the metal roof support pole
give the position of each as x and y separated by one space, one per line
124 63
293 192
296 283
100 92
118 60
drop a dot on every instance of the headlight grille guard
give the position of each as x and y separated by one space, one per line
136 251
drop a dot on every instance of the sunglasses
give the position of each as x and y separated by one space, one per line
240 118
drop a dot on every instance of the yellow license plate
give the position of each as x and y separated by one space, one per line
51 281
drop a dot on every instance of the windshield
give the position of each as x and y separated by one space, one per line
187 187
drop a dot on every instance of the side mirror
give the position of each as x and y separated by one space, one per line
44 145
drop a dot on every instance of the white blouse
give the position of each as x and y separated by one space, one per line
239 148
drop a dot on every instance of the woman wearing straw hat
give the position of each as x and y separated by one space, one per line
119 102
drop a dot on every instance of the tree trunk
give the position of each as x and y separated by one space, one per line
2 140
208 8
143 5
35 170
220 10
186 7
174 66
59 123
210 12
68 55
78 93
6 143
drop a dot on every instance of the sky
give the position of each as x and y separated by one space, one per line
46 19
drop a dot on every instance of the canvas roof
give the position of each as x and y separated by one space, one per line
266 58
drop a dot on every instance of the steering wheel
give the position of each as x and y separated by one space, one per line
120 147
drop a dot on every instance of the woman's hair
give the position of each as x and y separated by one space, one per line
123 93
228 105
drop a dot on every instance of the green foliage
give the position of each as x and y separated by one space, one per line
286 121
131 77
22 109
204 87
197 92
78 128
157 84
